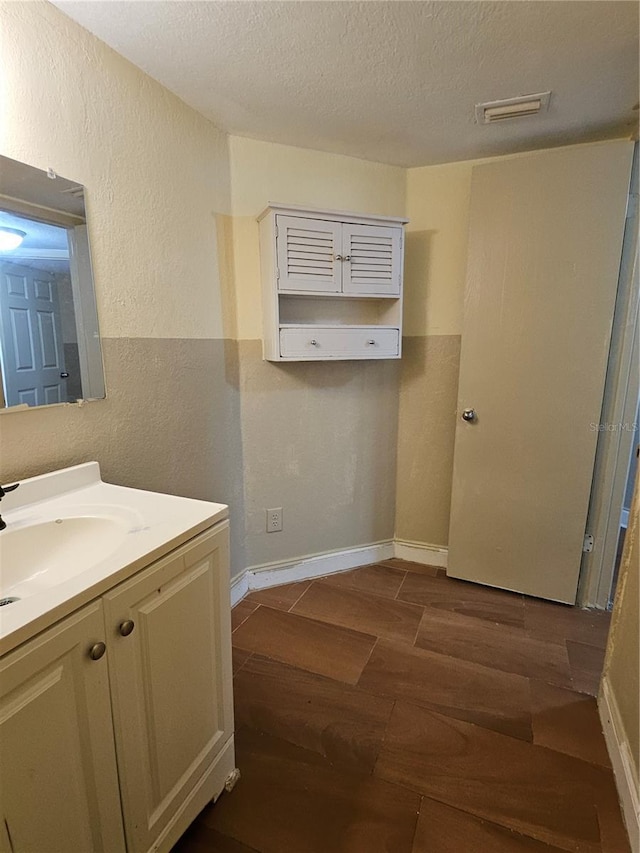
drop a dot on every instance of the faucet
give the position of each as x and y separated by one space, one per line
3 492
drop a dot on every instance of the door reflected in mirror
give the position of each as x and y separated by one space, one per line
49 339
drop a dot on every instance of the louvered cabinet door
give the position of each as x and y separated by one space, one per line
307 250
373 260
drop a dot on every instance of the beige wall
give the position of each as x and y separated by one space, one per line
318 439
156 171
437 205
191 407
262 172
426 424
158 182
436 252
438 199
178 286
622 664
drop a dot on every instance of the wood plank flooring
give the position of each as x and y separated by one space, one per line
391 709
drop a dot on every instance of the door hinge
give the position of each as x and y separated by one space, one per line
632 205
587 545
276 230
277 272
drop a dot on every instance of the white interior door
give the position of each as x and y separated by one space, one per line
32 346
545 238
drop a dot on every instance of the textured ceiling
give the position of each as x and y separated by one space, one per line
392 81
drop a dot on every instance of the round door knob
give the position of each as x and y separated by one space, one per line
313 343
371 343
338 257
97 650
347 258
126 627
469 415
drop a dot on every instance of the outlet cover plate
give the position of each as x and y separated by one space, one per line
274 520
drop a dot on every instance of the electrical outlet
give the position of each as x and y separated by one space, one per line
274 520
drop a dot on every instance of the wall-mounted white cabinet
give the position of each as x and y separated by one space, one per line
331 284
116 724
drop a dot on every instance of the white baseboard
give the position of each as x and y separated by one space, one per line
319 565
305 568
420 552
239 588
622 762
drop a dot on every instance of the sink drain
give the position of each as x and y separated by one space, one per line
8 600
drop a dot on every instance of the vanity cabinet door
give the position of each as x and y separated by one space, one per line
169 636
59 783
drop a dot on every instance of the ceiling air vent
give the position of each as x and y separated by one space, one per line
524 105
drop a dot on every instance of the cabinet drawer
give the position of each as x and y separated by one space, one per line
323 342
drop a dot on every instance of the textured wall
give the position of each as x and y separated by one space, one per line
170 422
426 426
156 172
158 200
438 199
177 283
318 439
622 665
435 263
263 172
172 207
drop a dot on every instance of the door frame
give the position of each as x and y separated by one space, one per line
616 438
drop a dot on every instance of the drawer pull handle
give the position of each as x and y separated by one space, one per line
126 627
313 342
97 650
371 342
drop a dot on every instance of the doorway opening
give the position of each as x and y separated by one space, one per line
619 435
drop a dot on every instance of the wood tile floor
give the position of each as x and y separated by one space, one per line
391 709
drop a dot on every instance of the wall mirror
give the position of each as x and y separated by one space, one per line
49 339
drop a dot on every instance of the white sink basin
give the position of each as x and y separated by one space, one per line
38 556
70 537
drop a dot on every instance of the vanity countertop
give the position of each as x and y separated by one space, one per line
123 530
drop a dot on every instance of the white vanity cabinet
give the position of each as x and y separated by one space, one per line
121 752
331 284
58 777
171 687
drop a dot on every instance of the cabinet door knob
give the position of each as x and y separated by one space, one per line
347 258
313 342
126 627
371 342
338 257
97 650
